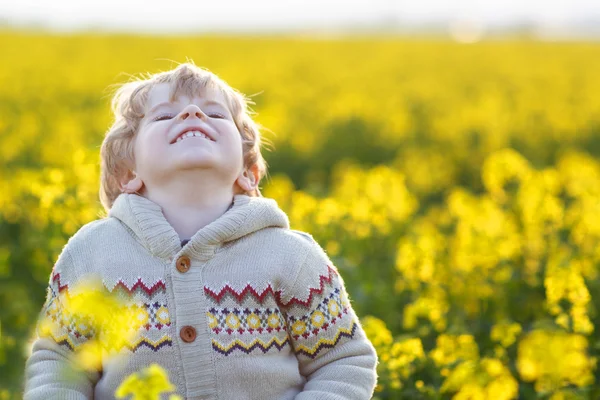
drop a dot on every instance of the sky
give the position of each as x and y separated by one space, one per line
279 15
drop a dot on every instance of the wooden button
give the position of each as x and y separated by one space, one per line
183 264
188 334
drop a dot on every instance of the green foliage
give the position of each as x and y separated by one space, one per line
456 187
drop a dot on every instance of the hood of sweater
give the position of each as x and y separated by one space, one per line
146 222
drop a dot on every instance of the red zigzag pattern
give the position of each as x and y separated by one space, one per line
150 291
249 290
218 297
56 277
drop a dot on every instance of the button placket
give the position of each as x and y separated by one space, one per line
190 317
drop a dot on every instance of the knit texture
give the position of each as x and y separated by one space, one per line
271 313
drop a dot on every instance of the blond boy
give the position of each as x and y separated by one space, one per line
236 305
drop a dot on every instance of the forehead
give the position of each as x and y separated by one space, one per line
163 93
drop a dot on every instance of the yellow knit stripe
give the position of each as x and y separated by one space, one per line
62 339
323 343
154 345
133 346
256 343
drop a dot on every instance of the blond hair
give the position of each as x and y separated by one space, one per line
117 158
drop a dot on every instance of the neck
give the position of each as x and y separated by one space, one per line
191 209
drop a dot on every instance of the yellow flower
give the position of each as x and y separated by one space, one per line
141 316
554 359
99 316
486 379
377 332
501 168
506 333
451 348
148 384
89 355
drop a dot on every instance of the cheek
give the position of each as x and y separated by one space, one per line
145 151
140 150
235 142
240 147
148 143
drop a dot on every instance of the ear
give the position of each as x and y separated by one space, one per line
131 184
248 179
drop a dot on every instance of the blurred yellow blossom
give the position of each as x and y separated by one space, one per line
432 306
554 359
147 384
506 333
454 199
487 379
452 348
377 331
403 353
102 323
500 169
564 282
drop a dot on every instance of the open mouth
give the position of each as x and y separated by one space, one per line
193 133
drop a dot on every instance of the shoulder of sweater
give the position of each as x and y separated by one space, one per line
314 250
78 247
311 265
92 231
290 239
93 241
303 235
302 245
291 247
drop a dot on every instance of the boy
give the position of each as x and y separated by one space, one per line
236 304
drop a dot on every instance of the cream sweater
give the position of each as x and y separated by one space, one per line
247 309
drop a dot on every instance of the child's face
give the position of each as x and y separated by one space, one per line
160 156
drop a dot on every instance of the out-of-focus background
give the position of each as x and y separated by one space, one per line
445 154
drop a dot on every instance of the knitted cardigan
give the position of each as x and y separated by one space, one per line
257 312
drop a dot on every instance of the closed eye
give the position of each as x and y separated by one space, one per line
162 117
168 116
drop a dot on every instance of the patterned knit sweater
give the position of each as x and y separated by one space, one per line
246 309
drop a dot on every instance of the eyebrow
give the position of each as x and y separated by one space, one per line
168 103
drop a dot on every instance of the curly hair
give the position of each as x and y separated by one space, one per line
117 158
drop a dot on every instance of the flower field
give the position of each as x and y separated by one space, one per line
456 187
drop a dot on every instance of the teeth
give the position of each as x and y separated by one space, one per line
190 134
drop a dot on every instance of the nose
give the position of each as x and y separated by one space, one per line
192 109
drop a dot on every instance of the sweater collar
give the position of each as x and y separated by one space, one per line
147 223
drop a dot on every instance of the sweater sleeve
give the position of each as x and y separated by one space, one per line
333 352
57 336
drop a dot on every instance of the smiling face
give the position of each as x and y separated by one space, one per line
142 153
187 134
